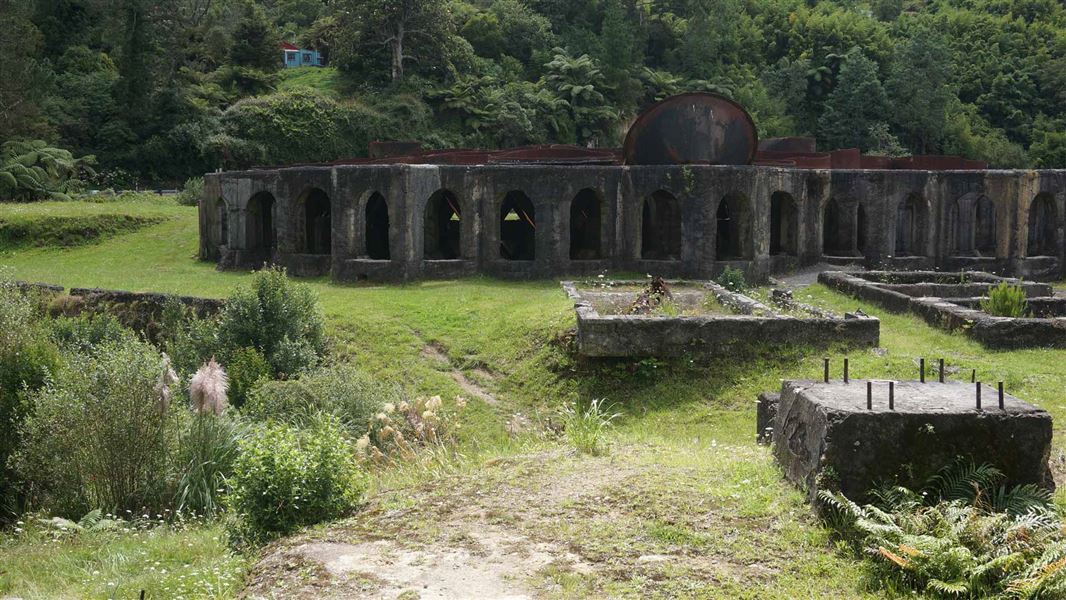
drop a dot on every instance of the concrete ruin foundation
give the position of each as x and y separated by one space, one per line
825 437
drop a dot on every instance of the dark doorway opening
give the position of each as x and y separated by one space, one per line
377 228
318 226
860 230
585 226
660 237
518 227
731 230
985 227
784 217
222 218
910 227
1043 226
836 238
442 228
260 234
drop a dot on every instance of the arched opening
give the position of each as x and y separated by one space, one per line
518 227
660 232
784 217
585 226
985 227
836 238
1043 226
860 229
910 226
318 227
259 231
377 228
442 229
731 230
222 221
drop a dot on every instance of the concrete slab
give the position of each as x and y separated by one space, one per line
825 436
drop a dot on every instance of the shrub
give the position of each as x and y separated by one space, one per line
350 395
83 333
103 433
33 170
191 192
586 428
963 535
277 317
1005 300
190 341
732 280
27 357
285 478
245 369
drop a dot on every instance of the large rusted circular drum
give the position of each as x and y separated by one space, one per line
693 128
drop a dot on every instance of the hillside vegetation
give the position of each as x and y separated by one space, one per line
160 91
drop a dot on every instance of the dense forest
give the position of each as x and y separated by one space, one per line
155 91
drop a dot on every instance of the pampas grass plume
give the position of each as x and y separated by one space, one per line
207 390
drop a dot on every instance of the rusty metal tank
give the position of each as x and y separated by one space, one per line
693 128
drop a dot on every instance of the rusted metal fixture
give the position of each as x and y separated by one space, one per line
693 128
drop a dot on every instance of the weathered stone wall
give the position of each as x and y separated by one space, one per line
834 214
755 329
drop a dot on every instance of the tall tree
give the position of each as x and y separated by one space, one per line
919 90
856 104
23 78
410 30
255 41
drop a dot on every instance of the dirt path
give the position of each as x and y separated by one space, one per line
471 388
477 538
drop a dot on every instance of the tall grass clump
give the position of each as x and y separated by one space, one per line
27 358
103 432
285 478
586 428
278 318
964 535
1005 300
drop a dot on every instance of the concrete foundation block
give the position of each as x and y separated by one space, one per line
825 437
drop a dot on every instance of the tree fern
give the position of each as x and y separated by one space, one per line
32 170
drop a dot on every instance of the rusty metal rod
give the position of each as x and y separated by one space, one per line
973 376
869 395
891 395
845 370
1001 395
921 369
825 369
978 395
941 370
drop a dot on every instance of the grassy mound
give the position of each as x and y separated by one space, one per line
68 231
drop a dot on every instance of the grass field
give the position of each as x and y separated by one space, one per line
683 477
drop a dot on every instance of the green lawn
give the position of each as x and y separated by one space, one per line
701 487
323 79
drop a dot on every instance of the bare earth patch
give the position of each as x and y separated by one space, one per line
470 387
546 524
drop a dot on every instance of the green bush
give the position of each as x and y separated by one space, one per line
732 280
246 368
27 358
85 332
191 192
188 340
350 395
277 317
285 478
103 433
1005 300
